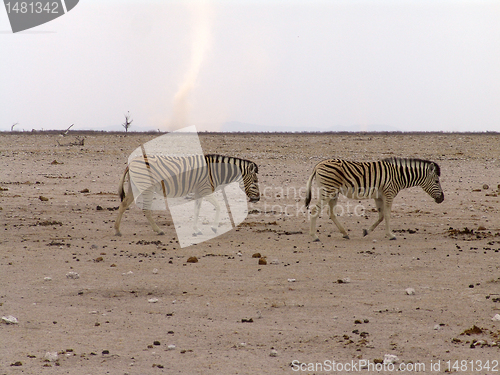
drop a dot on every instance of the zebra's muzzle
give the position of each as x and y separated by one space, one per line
440 198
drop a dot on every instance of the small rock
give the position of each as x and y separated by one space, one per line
192 260
390 359
9 319
157 343
51 356
155 271
127 273
47 278
485 187
171 347
72 275
153 300
437 327
99 208
410 291
94 246
273 353
17 363
99 259
43 199
256 255
262 261
275 262
85 191
291 280
55 162
496 318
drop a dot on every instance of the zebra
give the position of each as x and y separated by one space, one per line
380 180
178 176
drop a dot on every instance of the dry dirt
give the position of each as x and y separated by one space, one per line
336 300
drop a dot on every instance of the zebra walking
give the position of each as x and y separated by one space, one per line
178 176
380 180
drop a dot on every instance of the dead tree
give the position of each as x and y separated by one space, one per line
128 122
78 142
12 127
67 130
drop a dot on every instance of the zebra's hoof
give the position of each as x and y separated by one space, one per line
316 240
118 234
365 233
161 233
392 239
346 237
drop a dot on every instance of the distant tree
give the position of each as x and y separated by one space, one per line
128 121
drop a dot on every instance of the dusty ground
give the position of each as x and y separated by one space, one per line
341 300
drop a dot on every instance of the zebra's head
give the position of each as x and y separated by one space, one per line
431 184
250 181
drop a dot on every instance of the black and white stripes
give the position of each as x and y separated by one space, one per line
178 176
380 180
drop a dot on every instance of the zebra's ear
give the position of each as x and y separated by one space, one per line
254 168
433 169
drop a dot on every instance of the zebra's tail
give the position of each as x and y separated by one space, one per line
309 183
121 191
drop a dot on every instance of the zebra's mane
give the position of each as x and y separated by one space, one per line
409 161
218 157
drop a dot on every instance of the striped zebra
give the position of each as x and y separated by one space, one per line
178 176
380 180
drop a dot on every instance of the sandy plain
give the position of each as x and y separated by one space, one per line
138 306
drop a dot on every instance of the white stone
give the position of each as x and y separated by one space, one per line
390 359
51 356
9 319
410 291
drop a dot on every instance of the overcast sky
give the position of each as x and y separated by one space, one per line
407 65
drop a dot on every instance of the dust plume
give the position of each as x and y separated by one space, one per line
201 18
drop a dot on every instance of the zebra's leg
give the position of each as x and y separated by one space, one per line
380 208
315 211
387 217
126 202
155 227
332 203
197 205
146 208
211 198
